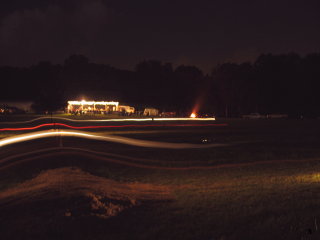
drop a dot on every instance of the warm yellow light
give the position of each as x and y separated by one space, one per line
84 102
119 119
193 115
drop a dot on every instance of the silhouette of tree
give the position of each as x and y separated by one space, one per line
285 83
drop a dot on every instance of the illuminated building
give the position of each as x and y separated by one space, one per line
150 112
126 109
92 106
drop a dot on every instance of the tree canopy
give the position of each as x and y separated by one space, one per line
286 83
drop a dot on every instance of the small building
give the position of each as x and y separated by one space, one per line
277 115
16 107
126 109
92 107
150 112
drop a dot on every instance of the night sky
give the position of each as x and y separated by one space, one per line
124 32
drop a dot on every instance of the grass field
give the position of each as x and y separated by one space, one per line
265 184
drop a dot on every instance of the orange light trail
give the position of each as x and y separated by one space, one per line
112 120
44 153
110 126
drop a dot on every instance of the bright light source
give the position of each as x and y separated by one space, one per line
84 106
193 115
92 103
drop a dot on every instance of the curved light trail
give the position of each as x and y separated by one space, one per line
106 154
108 126
49 152
113 120
109 138
44 153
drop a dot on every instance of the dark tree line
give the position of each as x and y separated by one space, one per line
285 83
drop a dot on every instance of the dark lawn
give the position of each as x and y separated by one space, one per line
278 200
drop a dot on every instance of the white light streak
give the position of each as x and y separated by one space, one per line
114 120
108 138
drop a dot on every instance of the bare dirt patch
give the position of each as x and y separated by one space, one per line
84 193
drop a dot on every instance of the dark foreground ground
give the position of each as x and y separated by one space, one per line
264 184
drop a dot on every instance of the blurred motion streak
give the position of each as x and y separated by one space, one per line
108 138
109 126
128 161
113 120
